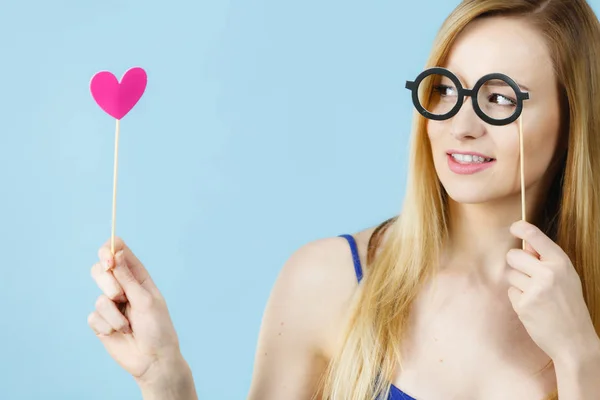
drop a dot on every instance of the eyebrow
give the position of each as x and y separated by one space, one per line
498 82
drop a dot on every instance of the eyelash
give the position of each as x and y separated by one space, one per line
440 89
512 101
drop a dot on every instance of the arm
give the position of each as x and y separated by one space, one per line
301 321
177 383
578 372
298 332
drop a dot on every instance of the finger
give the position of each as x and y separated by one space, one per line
99 325
519 280
138 270
108 284
523 261
514 295
531 250
136 294
539 242
106 256
135 265
110 313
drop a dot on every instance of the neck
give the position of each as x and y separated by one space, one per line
479 234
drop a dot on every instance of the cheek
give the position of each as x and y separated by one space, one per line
434 129
539 146
506 145
541 132
436 132
539 143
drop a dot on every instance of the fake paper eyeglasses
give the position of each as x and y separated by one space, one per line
438 95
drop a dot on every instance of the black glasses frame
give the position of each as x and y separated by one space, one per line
462 92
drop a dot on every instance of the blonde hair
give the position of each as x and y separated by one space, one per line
370 348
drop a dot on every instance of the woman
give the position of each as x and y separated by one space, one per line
450 306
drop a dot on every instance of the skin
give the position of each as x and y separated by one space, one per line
471 335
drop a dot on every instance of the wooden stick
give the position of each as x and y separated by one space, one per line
521 159
114 207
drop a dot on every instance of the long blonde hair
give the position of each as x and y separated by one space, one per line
370 348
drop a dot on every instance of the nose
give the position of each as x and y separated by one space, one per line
466 124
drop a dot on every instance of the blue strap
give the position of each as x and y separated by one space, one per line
395 393
355 257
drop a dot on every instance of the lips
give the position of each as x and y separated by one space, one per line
468 168
471 153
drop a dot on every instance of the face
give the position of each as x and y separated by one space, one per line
511 47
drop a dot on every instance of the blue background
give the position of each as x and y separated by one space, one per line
265 125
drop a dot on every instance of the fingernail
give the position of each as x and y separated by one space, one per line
108 264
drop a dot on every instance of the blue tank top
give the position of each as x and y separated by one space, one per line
395 393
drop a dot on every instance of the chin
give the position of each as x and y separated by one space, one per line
470 191
468 198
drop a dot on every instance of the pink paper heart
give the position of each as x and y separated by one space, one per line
115 98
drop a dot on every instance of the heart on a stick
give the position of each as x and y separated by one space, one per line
118 98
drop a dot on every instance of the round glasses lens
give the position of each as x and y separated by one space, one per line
438 94
497 99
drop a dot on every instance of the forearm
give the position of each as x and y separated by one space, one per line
176 383
578 373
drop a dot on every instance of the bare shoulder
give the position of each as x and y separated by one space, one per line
303 319
325 266
320 280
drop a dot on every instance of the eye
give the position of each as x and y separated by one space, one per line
502 100
444 90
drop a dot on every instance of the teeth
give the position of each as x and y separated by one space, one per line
469 159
